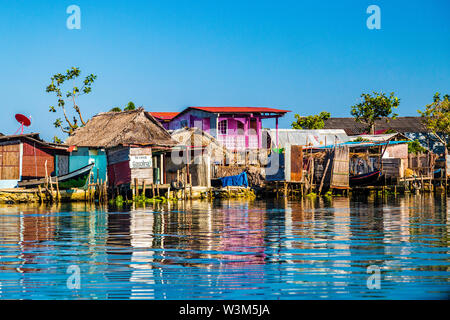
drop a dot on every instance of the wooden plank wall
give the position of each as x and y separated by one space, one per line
118 166
10 162
422 164
340 172
33 164
393 167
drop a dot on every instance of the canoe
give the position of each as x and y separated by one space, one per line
74 179
365 179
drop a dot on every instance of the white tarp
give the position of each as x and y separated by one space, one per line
375 137
316 138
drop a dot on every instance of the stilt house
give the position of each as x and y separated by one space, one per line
135 143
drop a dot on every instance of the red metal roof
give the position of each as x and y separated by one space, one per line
164 115
240 110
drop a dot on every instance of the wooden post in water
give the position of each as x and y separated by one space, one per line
323 177
143 188
185 181
99 191
105 192
190 186
136 191
57 190
276 188
40 194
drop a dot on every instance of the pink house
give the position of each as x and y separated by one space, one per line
237 128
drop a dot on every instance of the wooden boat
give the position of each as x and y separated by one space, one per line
74 179
365 179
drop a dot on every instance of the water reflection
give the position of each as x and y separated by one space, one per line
313 248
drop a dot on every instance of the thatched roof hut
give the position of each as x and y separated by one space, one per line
111 129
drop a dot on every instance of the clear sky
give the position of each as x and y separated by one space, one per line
304 56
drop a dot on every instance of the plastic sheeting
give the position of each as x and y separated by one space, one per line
315 138
237 181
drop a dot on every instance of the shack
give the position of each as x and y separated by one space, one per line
135 144
80 157
411 127
370 155
194 158
307 156
26 156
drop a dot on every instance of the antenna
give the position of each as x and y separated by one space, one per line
24 122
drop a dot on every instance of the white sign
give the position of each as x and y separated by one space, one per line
140 162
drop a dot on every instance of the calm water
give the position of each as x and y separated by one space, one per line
313 249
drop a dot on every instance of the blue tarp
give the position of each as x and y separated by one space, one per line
239 180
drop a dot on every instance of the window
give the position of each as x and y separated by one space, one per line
240 128
183 124
223 127
253 126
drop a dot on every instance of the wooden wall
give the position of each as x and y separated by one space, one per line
34 158
119 167
119 172
340 168
10 162
393 167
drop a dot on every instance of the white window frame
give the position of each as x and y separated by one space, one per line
220 127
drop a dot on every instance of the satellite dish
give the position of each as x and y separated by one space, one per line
24 122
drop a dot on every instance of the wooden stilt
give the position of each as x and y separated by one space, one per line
41 196
323 176
136 191
143 188
57 190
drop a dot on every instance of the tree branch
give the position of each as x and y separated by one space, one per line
77 109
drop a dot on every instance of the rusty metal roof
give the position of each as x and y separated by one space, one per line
400 124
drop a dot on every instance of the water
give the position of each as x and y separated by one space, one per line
310 249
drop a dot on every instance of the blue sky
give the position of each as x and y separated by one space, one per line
304 56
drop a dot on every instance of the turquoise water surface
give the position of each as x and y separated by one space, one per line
309 249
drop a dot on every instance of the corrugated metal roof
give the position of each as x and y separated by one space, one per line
400 124
375 137
314 138
164 115
240 109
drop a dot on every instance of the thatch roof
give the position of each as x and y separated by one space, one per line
111 129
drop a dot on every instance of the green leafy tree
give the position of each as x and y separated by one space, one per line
311 122
415 147
130 106
70 122
376 107
436 117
